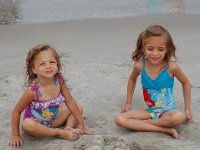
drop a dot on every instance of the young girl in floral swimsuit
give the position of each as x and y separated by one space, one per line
47 101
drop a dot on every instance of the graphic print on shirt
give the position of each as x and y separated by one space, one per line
46 114
149 102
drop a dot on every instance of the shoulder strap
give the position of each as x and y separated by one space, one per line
35 88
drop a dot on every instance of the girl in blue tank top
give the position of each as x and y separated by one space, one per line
153 61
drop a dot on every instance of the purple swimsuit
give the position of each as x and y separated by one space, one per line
43 111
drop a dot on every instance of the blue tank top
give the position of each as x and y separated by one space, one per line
158 92
163 80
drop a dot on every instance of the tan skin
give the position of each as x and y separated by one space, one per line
140 119
45 67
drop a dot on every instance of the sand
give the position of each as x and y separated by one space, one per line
97 60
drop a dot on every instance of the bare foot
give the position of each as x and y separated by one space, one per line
77 130
71 135
173 133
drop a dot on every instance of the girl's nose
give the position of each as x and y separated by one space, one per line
155 52
48 65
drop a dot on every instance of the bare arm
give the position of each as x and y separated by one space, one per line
72 106
70 102
26 98
131 85
177 72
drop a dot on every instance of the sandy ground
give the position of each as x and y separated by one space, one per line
97 63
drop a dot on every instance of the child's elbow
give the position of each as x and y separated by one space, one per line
187 84
16 112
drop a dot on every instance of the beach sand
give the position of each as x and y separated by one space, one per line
97 60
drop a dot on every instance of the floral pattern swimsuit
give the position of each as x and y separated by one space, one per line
43 111
158 92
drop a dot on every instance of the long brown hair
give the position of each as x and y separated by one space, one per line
154 30
30 76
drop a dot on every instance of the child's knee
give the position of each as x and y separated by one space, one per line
28 125
119 120
80 108
178 118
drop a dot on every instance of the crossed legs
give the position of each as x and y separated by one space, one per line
140 120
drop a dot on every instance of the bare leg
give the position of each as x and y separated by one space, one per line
134 120
71 121
35 128
65 117
169 119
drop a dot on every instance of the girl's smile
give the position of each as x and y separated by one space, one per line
45 64
155 49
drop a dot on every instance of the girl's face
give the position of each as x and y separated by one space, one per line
155 49
45 64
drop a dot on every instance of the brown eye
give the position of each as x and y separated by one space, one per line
161 49
41 64
149 49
